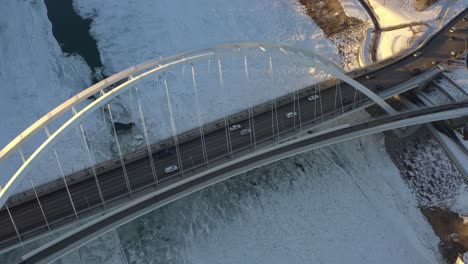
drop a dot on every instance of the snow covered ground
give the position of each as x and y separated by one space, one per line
394 12
459 202
397 13
353 8
395 41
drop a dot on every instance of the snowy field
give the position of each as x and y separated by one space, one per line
396 41
353 8
398 13
394 12
458 201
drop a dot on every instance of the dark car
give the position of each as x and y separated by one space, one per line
415 71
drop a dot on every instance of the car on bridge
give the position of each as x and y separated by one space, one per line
245 132
291 114
454 53
234 127
370 76
171 168
313 98
415 71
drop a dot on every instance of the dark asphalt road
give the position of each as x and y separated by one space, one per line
57 207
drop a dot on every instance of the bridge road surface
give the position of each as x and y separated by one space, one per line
74 240
57 206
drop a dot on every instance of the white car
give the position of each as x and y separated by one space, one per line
417 54
313 98
245 132
291 114
234 127
171 168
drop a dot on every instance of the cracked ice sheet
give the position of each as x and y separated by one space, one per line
36 77
129 33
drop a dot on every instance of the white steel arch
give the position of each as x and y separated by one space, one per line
134 74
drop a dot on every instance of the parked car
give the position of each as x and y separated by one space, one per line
234 127
291 114
453 29
370 76
454 52
245 132
416 71
417 54
313 98
434 62
171 168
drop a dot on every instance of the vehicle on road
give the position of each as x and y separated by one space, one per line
416 71
453 29
370 76
234 127
291 114
171 168
434 62
313 98
417 54
454 52
245 132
